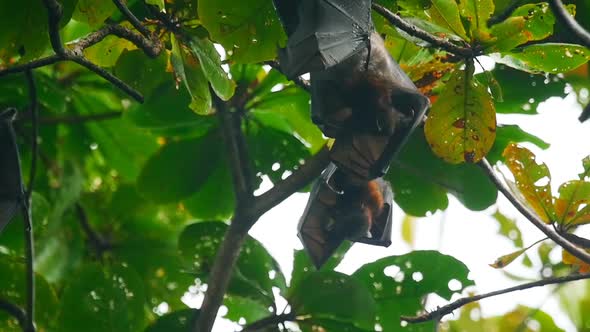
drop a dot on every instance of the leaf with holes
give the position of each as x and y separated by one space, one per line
573 203
400 283
334 296
533 180
461 126
507 134
545 58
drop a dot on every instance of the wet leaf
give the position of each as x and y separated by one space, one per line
461 126
533 180
446 14
476 14
547 58
210 62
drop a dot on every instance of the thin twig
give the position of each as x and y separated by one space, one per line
14 311
570 23
268 321
505 13
585 113
54 14
93 237
131 18
34 109
413 30
447 309
297 180
532 217
151 48
32 65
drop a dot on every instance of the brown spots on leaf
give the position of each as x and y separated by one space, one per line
469 156
492 129
459 123
475 137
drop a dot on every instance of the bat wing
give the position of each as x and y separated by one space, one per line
412 105
326 33
315 233
358 153
10 176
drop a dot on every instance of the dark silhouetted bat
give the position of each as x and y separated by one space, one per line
11 189
359 96
338 211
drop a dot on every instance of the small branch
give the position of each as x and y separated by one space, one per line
449 308
585 113
93 237
505 13
29 263
302 83
229 251
569 22
149 47
54 14
32 65
235 144
73 119
419 33
299 179
268 321
34 109
532 217
131 18
14 311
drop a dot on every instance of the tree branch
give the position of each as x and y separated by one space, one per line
151 48
34 109
15 312
413 30
131 18
229 251
268 321
93 237
449 308
585 113
569 22
532 217
505 13
299 179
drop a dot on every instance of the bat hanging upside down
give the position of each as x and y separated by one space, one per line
361 98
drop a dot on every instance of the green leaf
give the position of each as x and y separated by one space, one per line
250 30
215 200
179 169
107 52
476 14
446 14
103 298
159 3
140 71
461 125
507 134
533 180
522 92
545 58
252 277
24 30
572 203
12 274
210 63
189 71
508 228
177 321
504 260
399 283
334 296
421 180
93 12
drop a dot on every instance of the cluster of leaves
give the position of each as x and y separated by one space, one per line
153 182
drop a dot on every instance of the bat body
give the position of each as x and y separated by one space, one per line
361 98
11 190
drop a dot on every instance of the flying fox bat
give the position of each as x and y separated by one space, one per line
339 210
11 189
362 98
